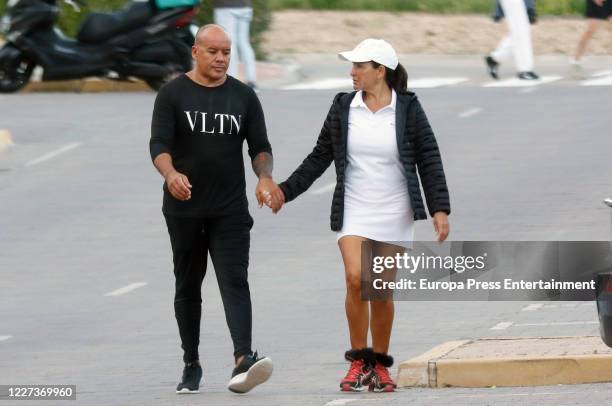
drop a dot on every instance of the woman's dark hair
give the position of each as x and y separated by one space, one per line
396 79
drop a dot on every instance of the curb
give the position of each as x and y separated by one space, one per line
87 86
270 74
6 140
493 362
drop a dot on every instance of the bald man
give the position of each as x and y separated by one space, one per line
200 121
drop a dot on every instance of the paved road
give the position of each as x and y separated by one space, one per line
80 218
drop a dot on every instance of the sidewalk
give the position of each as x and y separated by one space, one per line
495 362
268 75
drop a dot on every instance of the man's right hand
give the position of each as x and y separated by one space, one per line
178 185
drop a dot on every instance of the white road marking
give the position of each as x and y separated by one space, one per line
53 154
531 307
560 323
340 402
527 90
516 82
501 326
347 83
4 338
428 83
324 189
323 84
470 112
600 81
126 289
602 73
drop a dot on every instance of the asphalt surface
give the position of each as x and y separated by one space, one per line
80 218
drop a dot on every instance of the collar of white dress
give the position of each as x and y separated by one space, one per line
358 101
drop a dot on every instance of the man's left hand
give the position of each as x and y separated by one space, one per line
268 193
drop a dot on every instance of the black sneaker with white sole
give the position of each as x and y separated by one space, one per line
527 76
251 371
190 382
492 67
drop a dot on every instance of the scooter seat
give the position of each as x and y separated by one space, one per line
99 27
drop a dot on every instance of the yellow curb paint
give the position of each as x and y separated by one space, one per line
6 140
415 372
87 86
485 372
474 364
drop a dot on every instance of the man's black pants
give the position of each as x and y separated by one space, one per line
227 239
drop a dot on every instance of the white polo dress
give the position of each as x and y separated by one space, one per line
376 200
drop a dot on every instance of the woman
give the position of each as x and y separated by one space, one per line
377 137
596 12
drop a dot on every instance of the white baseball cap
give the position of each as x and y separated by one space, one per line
377 50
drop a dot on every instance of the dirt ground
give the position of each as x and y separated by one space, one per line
331 31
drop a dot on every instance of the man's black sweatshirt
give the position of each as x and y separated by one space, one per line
203 129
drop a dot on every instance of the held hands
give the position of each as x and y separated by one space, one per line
440 221
178 185
268 193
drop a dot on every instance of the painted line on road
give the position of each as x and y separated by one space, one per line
347 82
4 338
53 154
470 112
341 402
527 90
601 73
429 83
600 81
327 188
6 140
323 84
126 289
540 306
560 323
501 326
531 307
516 82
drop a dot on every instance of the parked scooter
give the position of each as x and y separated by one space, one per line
142 41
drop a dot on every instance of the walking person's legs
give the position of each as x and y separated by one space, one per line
500 54
229 242
357 310
243 42
357 313
381 322
189 251
592 26
520 31
226 19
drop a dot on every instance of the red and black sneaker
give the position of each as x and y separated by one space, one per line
356 378
359 374
381 380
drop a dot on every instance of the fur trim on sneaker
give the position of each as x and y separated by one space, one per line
365 354
383 359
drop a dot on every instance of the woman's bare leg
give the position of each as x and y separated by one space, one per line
357 312
591 28
383 311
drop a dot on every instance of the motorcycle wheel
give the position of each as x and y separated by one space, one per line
15 69
157 82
